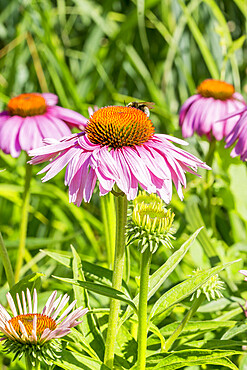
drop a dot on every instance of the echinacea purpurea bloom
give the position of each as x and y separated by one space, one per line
204 112
30 118
239 134
119 147
28 327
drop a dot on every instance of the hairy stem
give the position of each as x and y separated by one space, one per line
195 305
142 312
121 219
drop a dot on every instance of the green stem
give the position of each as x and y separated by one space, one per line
142 313
210 155
197 302
24 221
28 363
121 219
109 221
6 263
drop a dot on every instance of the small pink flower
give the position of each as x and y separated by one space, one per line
29 326
118 147
244 272
205 112
239 134
30 118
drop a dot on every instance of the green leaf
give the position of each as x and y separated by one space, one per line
237 44
182 290
180 359
91 270
232 332
30 281
194 219
100 289
75 361
62 257
92 336
79 342
192 327
215 344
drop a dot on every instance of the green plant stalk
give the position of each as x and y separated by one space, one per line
6 263
142 312
24 221
210 154
197 302
29 365
121 219
109 221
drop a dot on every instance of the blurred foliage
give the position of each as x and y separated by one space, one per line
113 52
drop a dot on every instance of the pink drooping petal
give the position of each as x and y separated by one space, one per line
61 305
70 116
4 313
4 116
186 106
49 303
9 141
29 301
50 99
59 128
50 150
11 304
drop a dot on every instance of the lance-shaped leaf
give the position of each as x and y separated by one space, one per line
183 290
193 357
100 289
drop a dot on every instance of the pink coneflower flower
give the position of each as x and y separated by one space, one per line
119 147
202 112
239 133
28 327
30 118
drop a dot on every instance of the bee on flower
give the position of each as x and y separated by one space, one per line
118 147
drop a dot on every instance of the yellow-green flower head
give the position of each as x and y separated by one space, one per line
151 222
212 288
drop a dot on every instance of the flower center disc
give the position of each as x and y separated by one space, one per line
43 322
27 105
153 211
216 89
118 126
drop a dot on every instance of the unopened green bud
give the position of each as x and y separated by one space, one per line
212 288
151 223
